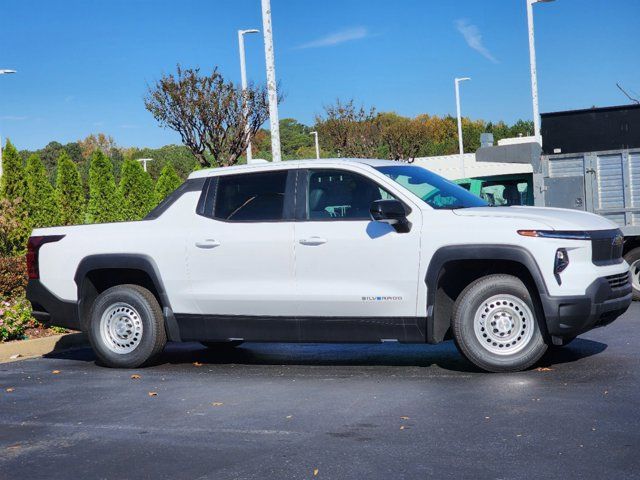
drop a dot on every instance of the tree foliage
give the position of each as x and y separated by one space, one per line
105 203
40 197
69 192
136 191
208 113
13 184
14 227
167 183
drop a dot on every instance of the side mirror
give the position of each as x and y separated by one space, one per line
391 212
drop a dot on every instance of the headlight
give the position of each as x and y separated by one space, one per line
563 234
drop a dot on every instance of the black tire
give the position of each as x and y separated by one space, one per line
144 334
565 342
222 345
633 257
528 345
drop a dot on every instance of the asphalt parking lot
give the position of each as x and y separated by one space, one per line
327 411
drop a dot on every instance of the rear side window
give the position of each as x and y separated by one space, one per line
251 197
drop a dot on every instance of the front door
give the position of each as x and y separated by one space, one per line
356 279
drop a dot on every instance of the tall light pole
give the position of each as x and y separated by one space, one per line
4 71
144 162
534 72
274 122
243 77
460 145
315 134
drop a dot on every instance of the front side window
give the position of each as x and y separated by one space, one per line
251 197
340 194
436 191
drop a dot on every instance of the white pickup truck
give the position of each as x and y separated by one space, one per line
342 250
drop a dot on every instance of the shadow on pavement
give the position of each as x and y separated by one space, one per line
444 355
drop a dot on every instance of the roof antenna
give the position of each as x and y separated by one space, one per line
635 100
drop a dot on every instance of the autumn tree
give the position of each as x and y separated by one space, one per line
105 203
13 184
69 192
208 113
167 182
40 197
136 191
105 143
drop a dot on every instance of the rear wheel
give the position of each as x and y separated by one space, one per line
126 328
633 259
495 324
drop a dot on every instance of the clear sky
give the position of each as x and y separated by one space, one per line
84 65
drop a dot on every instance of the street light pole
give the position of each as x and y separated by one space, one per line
274 122
144 162
460 144
243 77
534 70
315 134
4 71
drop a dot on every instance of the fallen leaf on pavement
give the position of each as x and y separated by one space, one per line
135 376
315 472
289 416
544 369
197 364
13 357
153 394
216 404
401 427
56 372
404 418
10 389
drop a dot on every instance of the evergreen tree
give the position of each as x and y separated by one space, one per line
69 192
105 203
13 183
136 190
167 182
40 198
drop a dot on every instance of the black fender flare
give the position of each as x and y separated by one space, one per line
129 261
436 329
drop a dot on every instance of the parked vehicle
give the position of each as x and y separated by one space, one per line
342 250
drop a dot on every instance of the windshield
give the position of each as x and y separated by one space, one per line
436 191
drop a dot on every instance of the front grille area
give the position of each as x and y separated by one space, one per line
606 246
618 281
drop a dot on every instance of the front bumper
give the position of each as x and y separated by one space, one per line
50 309
602 303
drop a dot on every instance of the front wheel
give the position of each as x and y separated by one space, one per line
126 328
495 326
632 257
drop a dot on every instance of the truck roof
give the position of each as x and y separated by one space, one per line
373 162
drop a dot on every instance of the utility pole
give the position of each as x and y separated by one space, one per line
144 162
243 77
315 134
460 144
274 122
534 68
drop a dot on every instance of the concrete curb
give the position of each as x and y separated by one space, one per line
40 346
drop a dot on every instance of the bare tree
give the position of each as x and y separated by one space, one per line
207 112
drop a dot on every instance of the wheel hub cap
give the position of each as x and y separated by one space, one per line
635 275
121 328
503 324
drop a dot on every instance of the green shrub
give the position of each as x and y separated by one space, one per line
40 197
14 228
136 190
13 184
69 192
13 276
167 183
105 203
15 318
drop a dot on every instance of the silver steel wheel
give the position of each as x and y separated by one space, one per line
504 324
121 328
635 275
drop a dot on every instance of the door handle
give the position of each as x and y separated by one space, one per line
208 243
312 241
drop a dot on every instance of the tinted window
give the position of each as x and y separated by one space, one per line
251 196
508 192
431 188
340 194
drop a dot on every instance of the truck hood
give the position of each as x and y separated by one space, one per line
554 218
